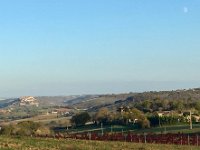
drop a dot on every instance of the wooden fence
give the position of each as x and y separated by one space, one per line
178 139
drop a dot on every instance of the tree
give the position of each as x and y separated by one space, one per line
7 130
154 120
26 128
102 116
197 105
147 104
137 117
178 105
80 119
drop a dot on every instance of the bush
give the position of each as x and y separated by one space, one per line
144 123
7 130
80 119
25 128
43 131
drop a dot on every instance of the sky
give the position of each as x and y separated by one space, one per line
64 47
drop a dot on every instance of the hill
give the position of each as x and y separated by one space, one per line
131 99
24 107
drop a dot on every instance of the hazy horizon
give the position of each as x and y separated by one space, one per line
90 47
102 88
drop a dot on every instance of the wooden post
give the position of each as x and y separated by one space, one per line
197 140
102 129
139 138
90 135
181 139
159 121
190 120
188 139
131 138
145 138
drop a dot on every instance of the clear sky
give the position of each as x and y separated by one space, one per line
63 47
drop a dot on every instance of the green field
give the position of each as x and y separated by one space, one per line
119 128
24 143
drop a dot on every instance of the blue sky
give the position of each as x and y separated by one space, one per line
63 47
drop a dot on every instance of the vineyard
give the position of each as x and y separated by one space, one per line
177 139
58 143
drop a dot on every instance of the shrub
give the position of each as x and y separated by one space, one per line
25 128
80 119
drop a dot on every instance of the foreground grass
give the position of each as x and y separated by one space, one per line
24 143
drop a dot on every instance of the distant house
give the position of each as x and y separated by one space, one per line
54 112
62 111
185 114
123 109
164 113
196 118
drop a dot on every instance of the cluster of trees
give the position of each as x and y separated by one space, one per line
158 104
126 117
164 100
26 128
104 116
144 107
155 120
80 119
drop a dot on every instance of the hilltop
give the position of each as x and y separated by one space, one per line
91 102
124 98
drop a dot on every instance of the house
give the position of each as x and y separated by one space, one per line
62 111
123 109
164 113
54 112
196 118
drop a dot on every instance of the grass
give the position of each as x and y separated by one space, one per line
24 143
91 128
45 119
172 129
157 130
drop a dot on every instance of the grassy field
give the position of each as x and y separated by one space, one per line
172 129
22 143
157 130
45 119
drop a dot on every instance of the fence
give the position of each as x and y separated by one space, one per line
178 139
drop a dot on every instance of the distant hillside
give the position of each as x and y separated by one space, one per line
191 95
45 101
129 99
94 102
55 100
22 101
8 102
81 99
